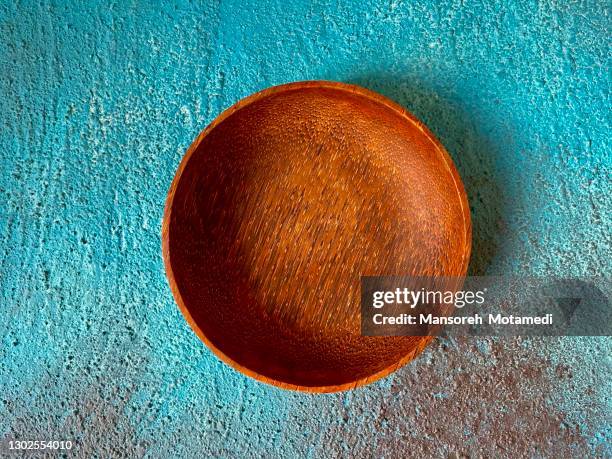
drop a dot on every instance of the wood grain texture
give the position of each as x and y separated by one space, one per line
278 208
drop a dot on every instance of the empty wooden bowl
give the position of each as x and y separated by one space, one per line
278 208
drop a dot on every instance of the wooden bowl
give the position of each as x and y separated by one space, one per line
278 208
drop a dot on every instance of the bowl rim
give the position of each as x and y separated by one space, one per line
299 85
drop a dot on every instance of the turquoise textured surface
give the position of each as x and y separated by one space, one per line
99 103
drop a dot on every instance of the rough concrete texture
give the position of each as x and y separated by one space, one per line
100 101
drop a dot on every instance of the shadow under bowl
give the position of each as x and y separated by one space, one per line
282 203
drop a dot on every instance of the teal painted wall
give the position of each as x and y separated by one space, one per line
100 100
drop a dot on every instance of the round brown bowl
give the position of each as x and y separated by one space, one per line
282 203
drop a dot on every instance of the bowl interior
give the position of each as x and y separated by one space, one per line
280 207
